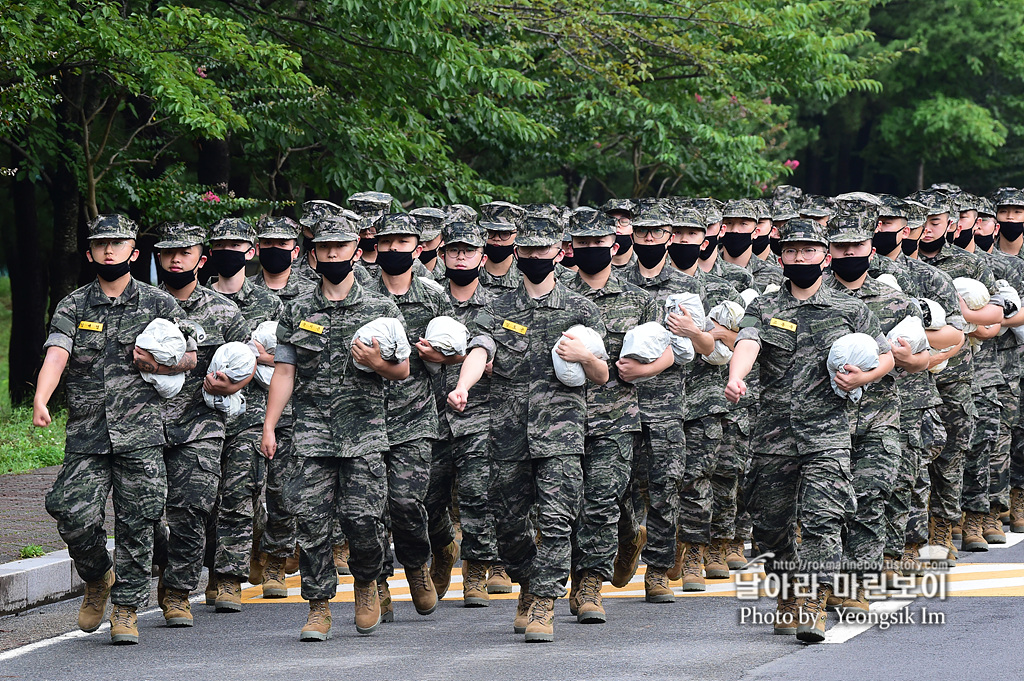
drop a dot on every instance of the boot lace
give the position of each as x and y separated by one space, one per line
364 596
590 589
539 610
714 555
274 571
418 579
123 617
95 593
694 561
498 572
476 574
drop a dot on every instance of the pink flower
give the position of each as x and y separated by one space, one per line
767 100
793 164
698 98
211 197
201 71
733 99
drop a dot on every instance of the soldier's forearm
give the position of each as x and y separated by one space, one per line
472 368
49 374
278 394
743 358
945 337
187 363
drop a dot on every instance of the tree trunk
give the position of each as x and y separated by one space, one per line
65 195
214 169
920 175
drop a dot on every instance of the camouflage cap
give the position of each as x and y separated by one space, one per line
710 208
179 235
740 208
112 227
539 228
986 207
802 230
430 220
689 217
945 188
586 221
763 208
846 228
397 223
815 206
788 191
893 207
459 212
371 203
917 213
501 216
314 211
936 203
966 201
463 233
1008 196
654 215
232 229
277 227
335 228
621 205
784 209
852 202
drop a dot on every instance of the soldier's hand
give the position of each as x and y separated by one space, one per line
428 354
367 355
572 349
458 398
264 358
41 415
268 445
735 389
682 324
218 383
901 350
630 369
144 361
489 368
851 380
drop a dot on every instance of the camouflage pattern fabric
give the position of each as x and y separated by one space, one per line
408 470
733 459
606 463
974 495
462 462
295 287
740 278
506 282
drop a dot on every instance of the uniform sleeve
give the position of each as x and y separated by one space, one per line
947 297
868 323
480 326
651 311
63 326
236 329
593 318
750 325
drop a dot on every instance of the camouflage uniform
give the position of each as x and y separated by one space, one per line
800 471
500 216
194 431
431 220
537 425
115 434
412 421
740 278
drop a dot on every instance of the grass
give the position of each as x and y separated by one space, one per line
23 447
31 551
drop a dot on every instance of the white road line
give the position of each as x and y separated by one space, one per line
844 631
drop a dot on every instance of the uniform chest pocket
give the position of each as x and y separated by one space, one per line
87 349
781 338
309 348
510 353
828 330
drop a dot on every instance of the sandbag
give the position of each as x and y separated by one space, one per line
974 293
729 315
571 373
645 343
1011 302
748 295
933 316
682 347
266 335
771 288
857 349
911 330
448 336
431 283
390 334
889 281
236 361
165 341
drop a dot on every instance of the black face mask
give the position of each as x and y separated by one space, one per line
909 246
964 239
592 259
949 237
650 255
275 260
684 256
708 250
177 280
984 242
775 244
462 277
625 242
368 244
1011 231
112 272
535 269
801 274
394 262
227 263
850 268
497 253
427 256
931 248
760 243
569 260
735 243
334 271
884 242
307 243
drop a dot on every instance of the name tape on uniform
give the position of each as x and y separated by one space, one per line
91 326
783 324
310 326
512 326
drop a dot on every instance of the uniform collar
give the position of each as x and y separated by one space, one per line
556 299
98 297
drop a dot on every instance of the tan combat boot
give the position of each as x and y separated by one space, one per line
811 627
589 609
368 611
387 606
523 607
498 582
715 566
574 592
890 572
786 615
441 565
318 623
909 563
942 535
211 590
859 601
341 556
992 529
474 584
291 563
273 578
124 625
421 588
257 561
958 529
1016 510
229 594
540 626
177 609
734 556
628 558
676 571
973 539
693 567
656 588
94 602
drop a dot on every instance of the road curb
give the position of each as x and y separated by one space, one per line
32 582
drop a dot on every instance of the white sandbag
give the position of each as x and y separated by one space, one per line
448 336
682 347
390 334
889 281
1011 301
771 288
941 365
431 283
857 349
236 361
748 295
571 373
165 341
974 293
1018 331
266 335
934 317
911 330
645 343
729 315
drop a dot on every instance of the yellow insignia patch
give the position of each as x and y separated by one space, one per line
91 326
783 324
512 326
311 327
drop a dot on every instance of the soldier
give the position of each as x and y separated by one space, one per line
501 221
763 232
800 472
412 423
234 538
613 413
817 209
660 460
194 431
369 206
277 248
537 422
340 461
431 220
710 261
739 220
621 210
115 434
